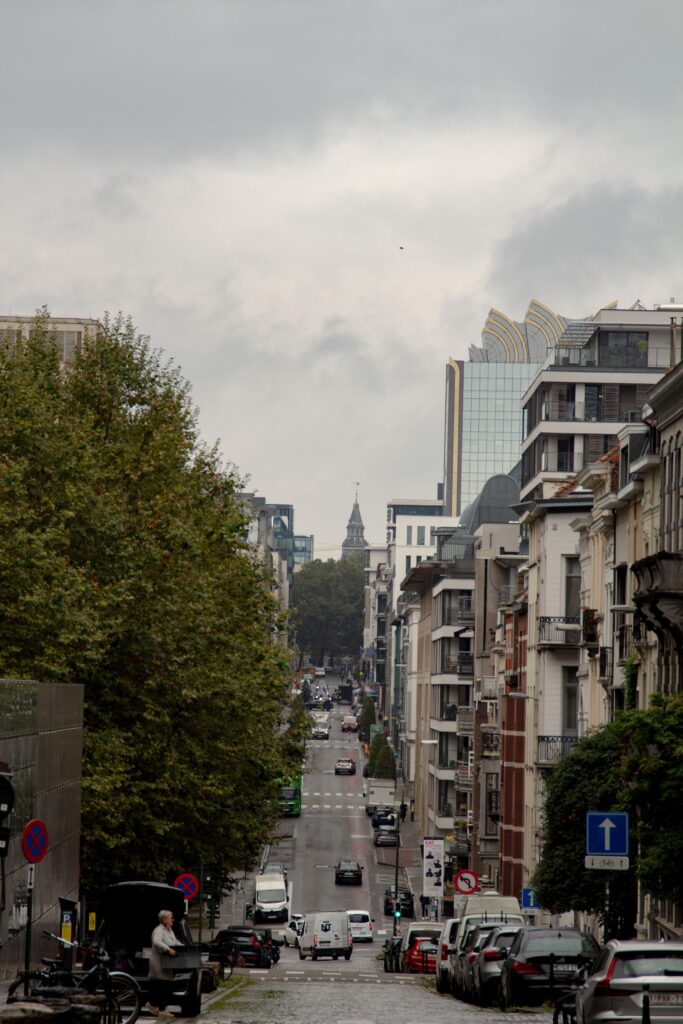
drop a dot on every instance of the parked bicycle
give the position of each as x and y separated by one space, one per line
123 998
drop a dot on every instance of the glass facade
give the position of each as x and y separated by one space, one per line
491 431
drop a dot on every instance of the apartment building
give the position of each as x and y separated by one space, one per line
68 332
594 382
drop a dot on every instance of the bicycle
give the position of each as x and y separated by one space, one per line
565 1009
123 998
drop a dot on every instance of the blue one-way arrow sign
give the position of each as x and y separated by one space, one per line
607 834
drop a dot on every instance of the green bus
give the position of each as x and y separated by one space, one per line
290 796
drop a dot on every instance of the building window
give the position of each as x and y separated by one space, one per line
432 535
570 701
492 803
420 536
407 564
409 535
418 559
572 587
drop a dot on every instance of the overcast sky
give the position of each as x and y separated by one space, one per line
311 204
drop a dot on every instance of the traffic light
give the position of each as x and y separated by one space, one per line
397 912
6 805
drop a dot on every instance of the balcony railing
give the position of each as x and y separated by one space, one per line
488 688
459 611
625 641
561 462
448 713
461 664
491 746
559 629
506 594
605 663
552 748
463 773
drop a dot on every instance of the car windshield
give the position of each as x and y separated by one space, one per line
426 946
633 965
272 896
358 918
571 944
288 792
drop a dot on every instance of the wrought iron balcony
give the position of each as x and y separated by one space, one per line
506 594
552 748
605 663
461 664
559 630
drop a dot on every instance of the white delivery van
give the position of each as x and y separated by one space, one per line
484 908
270 898
326 934
361 925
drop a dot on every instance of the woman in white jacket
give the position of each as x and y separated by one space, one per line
161 975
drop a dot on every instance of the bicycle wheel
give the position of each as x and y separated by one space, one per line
126 991
37 981
228 967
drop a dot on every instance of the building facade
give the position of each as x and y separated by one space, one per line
482 431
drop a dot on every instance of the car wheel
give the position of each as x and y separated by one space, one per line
314 956
347 956
502 998
441 984
302 956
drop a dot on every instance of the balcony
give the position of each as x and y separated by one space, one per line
559 630
605 664
461 664
448 713
443 817
491 745
466 720
449 725
552 748
457 612
463 775
506 594
488 688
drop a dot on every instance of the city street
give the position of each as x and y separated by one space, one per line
333 825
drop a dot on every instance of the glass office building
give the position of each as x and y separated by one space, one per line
483 419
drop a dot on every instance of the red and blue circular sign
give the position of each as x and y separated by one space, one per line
188 885
34 841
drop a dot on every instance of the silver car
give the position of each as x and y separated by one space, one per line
486 968
614 988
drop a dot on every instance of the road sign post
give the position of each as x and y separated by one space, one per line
607 847
34 843
466 882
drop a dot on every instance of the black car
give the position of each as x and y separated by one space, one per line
348 872
249 945
129 914
405 898
390 951
542 963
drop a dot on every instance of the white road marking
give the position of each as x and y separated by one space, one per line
327 807
295 972
337 807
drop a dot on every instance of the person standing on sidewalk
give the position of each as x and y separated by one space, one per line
161 975
424 903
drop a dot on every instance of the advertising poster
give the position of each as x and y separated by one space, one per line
432 868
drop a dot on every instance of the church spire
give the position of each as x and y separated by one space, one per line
355 531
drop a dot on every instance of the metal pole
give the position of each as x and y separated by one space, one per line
398 845
201 884
29 926
606 939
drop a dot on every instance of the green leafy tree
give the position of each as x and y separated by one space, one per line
327 599
124 566
385 765
367 715
634 764
378 741
583 781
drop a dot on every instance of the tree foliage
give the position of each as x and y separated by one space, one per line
327 598
634 764
381 763
124 566
367 715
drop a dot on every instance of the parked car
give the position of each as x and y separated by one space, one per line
129 912
391 951
360 924
541 963
345 766
274 867
417 930
449 930
292 930
405 898
383 816
613 989
486 969
349 723
248 944
481 934
420 957
348 872
386 835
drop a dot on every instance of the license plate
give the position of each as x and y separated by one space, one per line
666 998
563 968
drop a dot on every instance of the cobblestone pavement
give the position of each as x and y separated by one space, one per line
319 1000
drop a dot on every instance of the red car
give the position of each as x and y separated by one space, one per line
420 958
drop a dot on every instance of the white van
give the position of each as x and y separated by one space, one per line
326 934
270 898
360 923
